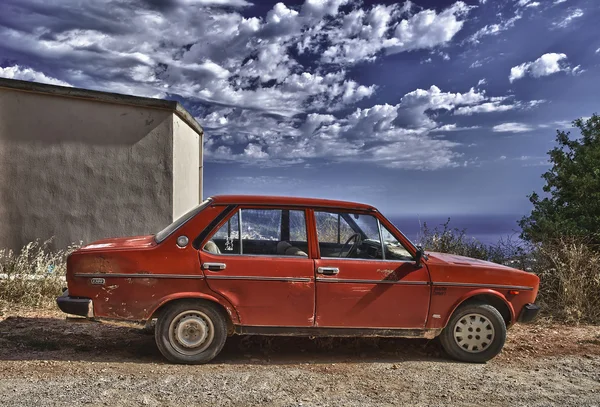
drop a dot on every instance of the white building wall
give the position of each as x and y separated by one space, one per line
187 191
76 169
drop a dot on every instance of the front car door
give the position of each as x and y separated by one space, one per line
365 276
267 275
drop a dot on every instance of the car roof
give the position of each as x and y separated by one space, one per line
288 201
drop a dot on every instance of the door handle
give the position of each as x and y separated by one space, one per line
214 266
328 271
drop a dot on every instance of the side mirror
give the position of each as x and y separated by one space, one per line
419 255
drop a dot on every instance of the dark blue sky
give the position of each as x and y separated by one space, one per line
429 107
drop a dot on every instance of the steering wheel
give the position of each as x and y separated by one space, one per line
357 240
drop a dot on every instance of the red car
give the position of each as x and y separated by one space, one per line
303 266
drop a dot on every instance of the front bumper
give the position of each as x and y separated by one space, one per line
528 313
84 307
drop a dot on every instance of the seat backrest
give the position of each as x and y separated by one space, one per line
212 247
282 247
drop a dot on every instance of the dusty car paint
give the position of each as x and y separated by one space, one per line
272 292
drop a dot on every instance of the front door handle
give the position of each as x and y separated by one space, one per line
328 271
214 266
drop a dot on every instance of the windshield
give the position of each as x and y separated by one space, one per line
166 232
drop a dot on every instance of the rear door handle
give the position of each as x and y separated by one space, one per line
328 271
214 266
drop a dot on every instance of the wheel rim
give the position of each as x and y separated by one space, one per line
474 333
191 332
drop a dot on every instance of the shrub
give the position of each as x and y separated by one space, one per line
35 275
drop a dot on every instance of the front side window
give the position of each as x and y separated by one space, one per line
356 236
268 232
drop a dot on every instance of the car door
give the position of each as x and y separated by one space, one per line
366 284
267 275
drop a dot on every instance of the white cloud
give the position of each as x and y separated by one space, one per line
363 35
576 13
28 74
502 157
427 29
545 65
598 51
487 107
559 1
512 127
482 82
534 4
494 29
229 3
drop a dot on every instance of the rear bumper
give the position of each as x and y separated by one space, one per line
84 307
528 313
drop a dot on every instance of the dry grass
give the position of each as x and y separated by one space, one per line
569 271
34 276
569 268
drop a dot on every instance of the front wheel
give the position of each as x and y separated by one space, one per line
191 332
475 333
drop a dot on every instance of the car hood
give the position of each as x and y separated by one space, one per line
454 259
117 243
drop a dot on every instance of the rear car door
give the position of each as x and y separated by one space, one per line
267 275
362 283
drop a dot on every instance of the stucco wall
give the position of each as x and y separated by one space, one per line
186 164
83 170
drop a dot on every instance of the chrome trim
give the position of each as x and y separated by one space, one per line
240 238
364 281
359 259
499 286
259 278
380 239
214 266
278 256
137 275
330 271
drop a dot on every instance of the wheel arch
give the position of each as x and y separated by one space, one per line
229 312
487 296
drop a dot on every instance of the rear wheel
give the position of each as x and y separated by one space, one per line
475 333
191 332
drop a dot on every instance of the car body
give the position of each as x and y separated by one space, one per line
303 267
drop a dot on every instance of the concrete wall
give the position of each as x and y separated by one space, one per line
78 169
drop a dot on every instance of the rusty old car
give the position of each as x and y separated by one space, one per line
294 266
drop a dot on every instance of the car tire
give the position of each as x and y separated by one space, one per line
191 332
475 333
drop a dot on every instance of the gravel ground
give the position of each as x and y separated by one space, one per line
46 361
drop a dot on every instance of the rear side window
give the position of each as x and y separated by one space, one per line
169 230
263 232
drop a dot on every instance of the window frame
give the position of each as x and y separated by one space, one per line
238 210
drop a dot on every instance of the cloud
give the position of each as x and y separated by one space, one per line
559 1
545 65
513 128
362 35
576 13
496 105
395 136
28 74
494 29
482 82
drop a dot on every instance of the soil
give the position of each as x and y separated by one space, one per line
47 361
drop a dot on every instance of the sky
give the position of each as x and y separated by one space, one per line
428 108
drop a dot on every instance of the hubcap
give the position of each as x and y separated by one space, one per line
474 333
191 332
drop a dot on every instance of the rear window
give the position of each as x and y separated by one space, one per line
169 230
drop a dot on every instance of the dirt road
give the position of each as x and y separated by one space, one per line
45 361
